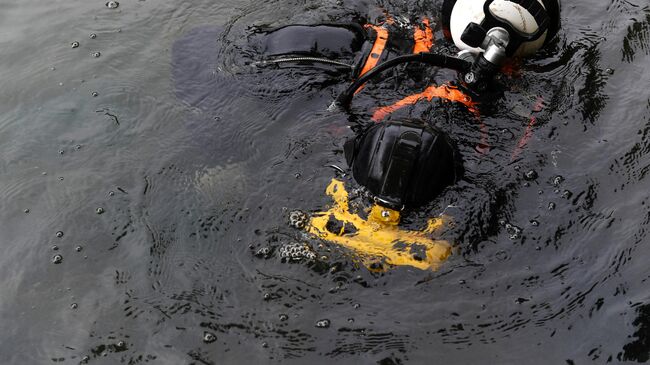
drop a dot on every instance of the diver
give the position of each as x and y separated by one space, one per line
408 162
402 162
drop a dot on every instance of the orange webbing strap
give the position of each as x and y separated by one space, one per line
377 48
528 133
423 37
444 92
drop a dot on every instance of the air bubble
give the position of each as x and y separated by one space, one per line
513 231
209 337
298 219
57 259
296 251
530 175
264 252
323 323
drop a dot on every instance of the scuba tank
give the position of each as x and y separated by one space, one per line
490 32
530 24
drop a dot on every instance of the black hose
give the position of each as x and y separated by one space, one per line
432 59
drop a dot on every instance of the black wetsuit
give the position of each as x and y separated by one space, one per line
350 44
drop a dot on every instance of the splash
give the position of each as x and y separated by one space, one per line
379 239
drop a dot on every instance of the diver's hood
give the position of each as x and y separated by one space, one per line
403 162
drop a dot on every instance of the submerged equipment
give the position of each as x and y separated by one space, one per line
377 238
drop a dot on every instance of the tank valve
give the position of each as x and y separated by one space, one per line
486 64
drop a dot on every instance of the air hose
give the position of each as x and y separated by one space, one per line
428 58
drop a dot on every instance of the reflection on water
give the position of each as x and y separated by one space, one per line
192 259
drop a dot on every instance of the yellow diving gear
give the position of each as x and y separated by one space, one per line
378 239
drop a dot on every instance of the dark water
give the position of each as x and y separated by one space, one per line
193 178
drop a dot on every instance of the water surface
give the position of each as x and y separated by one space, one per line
192 185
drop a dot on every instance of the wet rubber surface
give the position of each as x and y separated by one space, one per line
147 176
